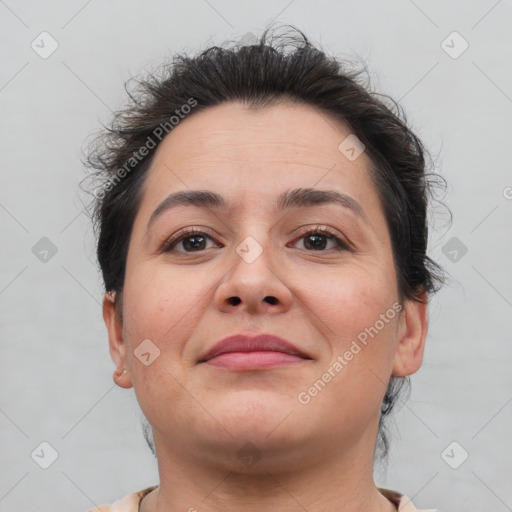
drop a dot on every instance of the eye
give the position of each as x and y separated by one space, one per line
194 240
319 238
190 240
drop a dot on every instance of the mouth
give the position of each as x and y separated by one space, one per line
244 352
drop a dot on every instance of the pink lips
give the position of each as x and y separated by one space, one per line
242 352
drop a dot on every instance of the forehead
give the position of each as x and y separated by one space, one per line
233 146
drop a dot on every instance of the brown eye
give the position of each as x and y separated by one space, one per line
319 240
187 241
316 241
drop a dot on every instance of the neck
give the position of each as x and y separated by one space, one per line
340 480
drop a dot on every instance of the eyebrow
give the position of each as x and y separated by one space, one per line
295 198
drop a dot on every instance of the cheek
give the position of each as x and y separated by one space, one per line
360 325
348 300
163 307
354 377
159 302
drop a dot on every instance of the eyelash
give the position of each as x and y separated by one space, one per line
185 233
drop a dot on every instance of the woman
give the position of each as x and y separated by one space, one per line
262 238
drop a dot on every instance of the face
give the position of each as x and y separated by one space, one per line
317 273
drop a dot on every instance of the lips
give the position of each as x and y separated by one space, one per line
265 343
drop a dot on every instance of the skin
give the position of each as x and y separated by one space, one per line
315 456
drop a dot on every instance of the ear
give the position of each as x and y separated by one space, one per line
117 346
413 327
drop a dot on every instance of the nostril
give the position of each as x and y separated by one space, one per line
234 301
271 300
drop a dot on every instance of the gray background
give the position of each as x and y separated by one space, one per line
55 370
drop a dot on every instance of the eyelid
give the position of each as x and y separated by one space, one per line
169 244
183 233
341 242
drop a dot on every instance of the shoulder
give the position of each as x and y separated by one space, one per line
130 503
403 503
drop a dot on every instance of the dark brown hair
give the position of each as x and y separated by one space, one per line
278 67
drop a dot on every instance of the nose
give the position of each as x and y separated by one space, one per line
253 285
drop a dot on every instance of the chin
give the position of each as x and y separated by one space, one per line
254 407
259 418
254 449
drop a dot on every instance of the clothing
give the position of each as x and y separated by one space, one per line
130 503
